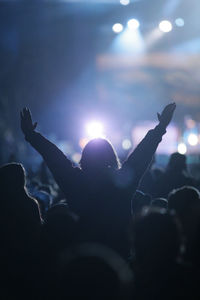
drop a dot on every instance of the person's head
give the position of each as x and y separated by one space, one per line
140 200
159 202
183 199
156 238
177 162
12 178
186 202
60 227
93 271
99 154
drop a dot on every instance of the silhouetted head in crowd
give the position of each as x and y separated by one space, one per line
183 199
139 201
60 227
186 202
177 162
156 239
99 154
14 194
18 211
12 178
160 203
93 271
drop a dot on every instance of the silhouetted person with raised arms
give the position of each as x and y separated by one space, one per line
100 190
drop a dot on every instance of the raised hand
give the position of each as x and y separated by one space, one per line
27 125
165 117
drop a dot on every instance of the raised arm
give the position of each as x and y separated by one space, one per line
60 166
139 160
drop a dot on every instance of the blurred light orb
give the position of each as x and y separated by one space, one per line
190 123
179 22
126 144
76 157
117 27
94 130
125 2
133 24
193 139
182 149
165 26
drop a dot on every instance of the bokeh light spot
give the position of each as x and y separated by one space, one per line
117 27
165 26
182 149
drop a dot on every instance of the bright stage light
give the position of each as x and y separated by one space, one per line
129 42
193 139
117 27
165 26
124 2
94 129
179 22
182 149
126 144
133 24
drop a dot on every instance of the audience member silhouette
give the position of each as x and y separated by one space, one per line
20 226
60 228
46 259
186 202
100 191
175 176
18 209
156 244
91 271
140 200
159 203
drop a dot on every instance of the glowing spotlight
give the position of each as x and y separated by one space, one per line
133 24
117 27
193 139
94 129
179 22
125 2
76 157
165 26
182 149
126 144
129 42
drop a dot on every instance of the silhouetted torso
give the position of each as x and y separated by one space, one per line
101 197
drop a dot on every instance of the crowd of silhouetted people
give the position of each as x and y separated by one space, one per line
103 230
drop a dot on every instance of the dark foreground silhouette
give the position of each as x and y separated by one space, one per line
100 190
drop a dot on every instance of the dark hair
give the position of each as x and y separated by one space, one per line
99 153
176 162
159 202
93 271
183 198
12 175
156 236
